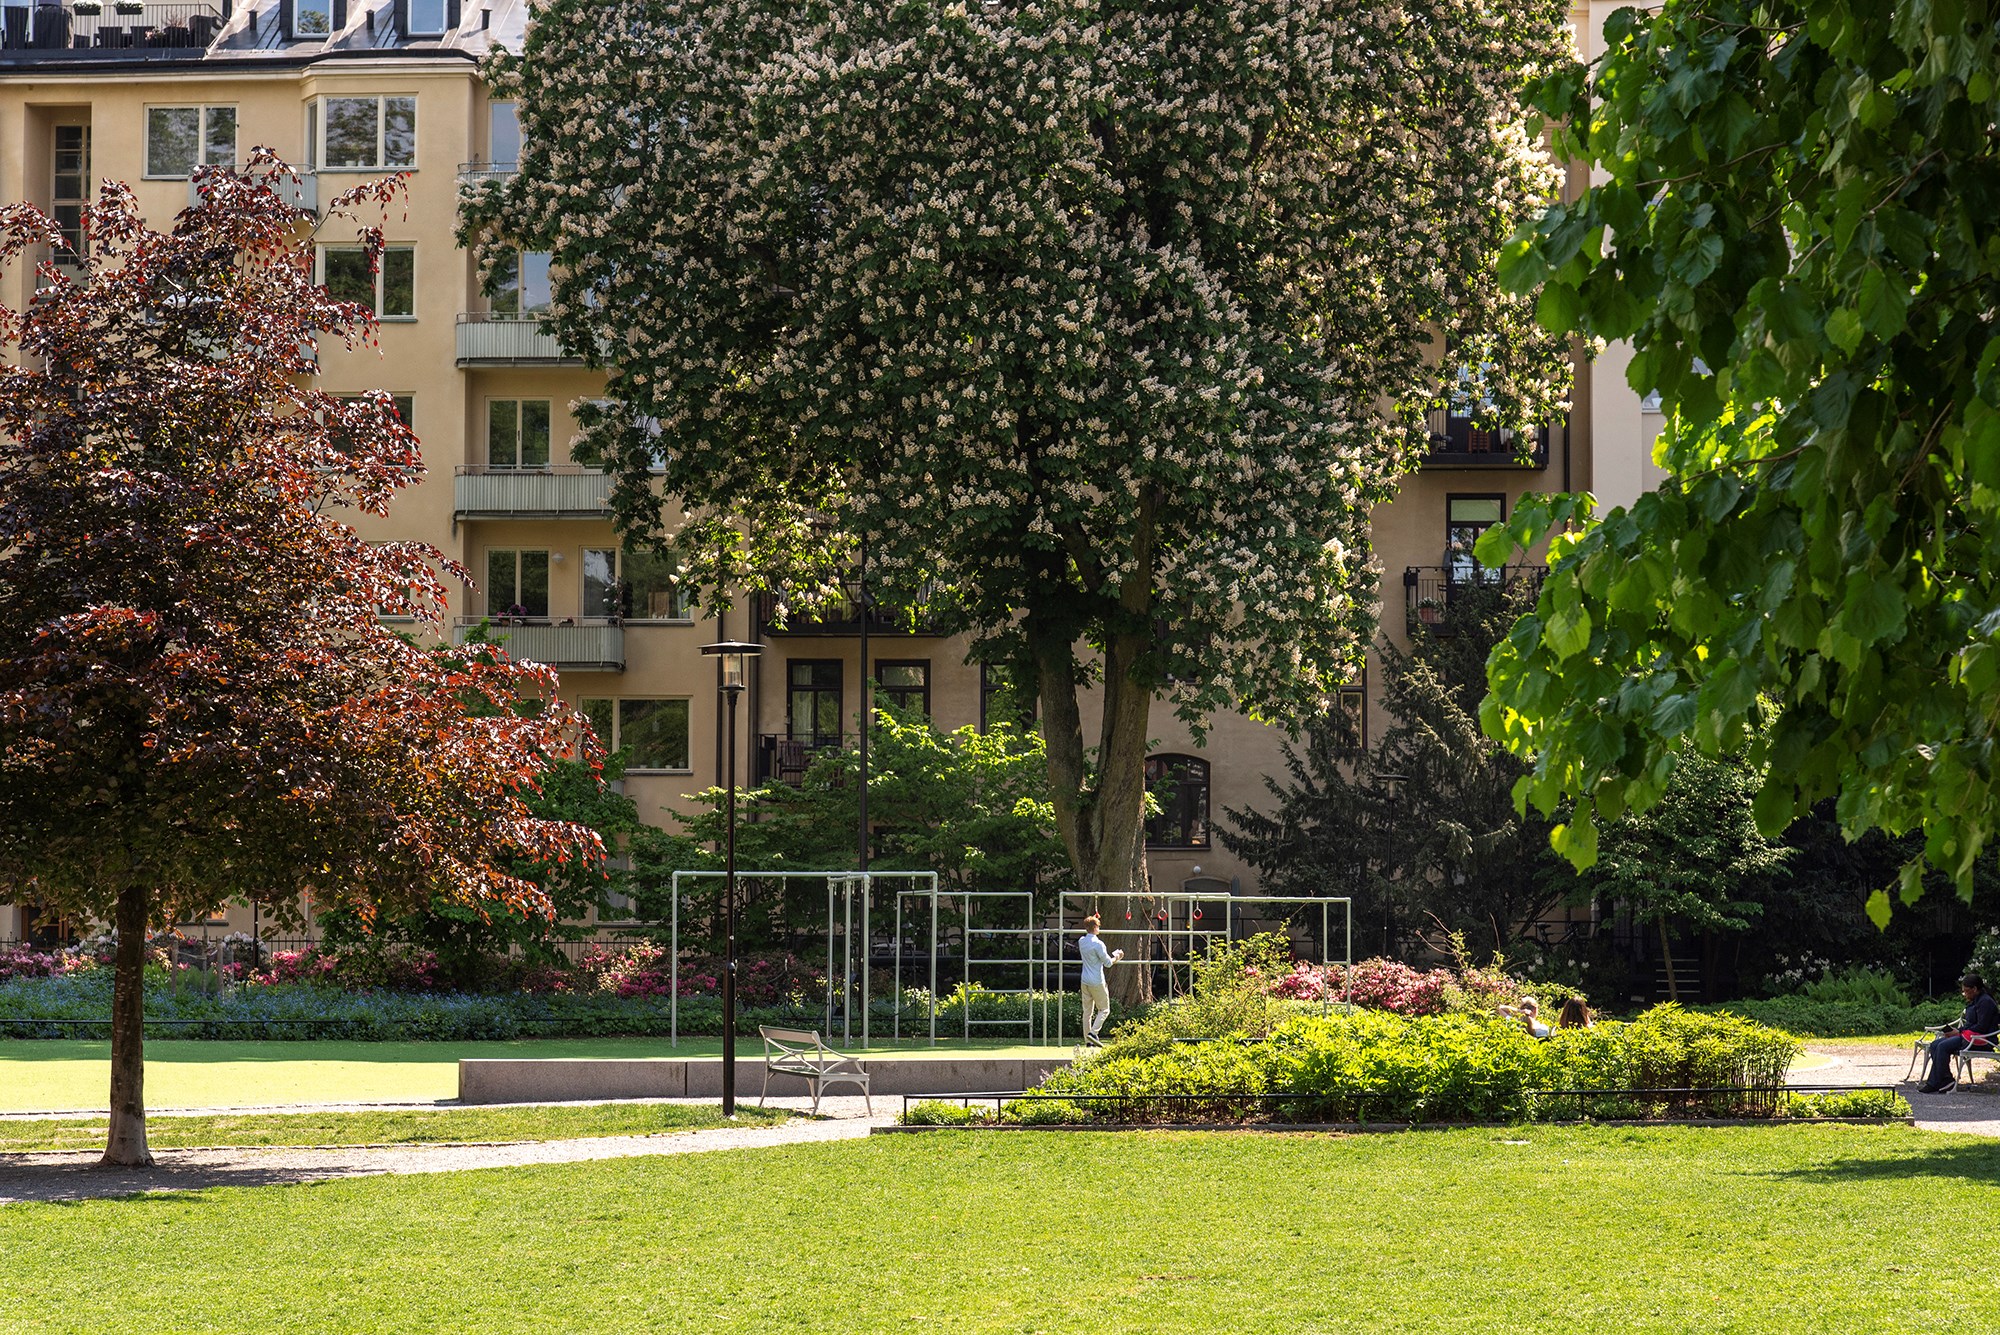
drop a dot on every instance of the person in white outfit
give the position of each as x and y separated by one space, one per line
1096 996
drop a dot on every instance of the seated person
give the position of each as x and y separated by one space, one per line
1530 1012
1575 1014
1973 1028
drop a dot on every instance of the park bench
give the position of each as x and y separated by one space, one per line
802 1053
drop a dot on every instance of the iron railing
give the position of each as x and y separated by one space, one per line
1432 593
786 758
1458 441
1354 1107
471 173
841 618
113 25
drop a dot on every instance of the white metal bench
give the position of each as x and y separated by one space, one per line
1961 1060
801 1052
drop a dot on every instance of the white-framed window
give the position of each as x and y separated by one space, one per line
632 586
503 135
652 733
427 18
71 193
517 433
179 139
312 18
521 285
391 291
364 133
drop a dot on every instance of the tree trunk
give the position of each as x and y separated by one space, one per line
1667 958
1101 823
126 1145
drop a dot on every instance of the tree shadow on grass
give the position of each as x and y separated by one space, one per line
1967 1160
81 1179
168 1051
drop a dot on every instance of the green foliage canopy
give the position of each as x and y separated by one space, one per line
1798 228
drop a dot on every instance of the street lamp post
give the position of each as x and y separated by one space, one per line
733 658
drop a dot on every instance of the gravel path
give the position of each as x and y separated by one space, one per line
72 1175
1971 1110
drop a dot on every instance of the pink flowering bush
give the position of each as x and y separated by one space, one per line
1389 985
645 970
377 969
27 962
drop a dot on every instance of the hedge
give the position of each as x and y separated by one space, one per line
1375 1066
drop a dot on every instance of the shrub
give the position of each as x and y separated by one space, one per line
935 1112
1849 1103
1822 1019
1382 1066
27 962
1855 987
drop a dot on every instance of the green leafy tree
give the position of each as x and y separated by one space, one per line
1695 859
1106 325
971 806
1421 828
198 698
1797 225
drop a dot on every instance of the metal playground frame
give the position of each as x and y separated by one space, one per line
1185 918
843 889
1192 906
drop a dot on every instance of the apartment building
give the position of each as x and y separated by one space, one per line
144 90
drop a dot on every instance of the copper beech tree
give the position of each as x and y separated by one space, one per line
198 698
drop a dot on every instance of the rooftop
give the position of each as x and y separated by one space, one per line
101 34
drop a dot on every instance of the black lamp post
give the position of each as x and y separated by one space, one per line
733 659
1391 788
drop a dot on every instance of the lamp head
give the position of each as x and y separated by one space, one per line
735 656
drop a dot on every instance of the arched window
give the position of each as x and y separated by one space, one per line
1180 783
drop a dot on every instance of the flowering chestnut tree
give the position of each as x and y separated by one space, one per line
1103 325
197 697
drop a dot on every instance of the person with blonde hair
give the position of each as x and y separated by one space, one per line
1529 1013
1096 994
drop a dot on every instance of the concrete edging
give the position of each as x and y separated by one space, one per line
589 1079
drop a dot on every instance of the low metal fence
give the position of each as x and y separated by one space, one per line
1352 1107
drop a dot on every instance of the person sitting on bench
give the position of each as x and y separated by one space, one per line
1974 1028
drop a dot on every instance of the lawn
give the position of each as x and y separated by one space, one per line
58 1075
387 1126
1514 1230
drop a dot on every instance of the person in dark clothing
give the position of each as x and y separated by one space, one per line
1972 1029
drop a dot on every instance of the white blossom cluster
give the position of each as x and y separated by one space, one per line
1116 315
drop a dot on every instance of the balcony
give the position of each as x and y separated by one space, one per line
568 645
486 339
1457 443
302 193
111 29
842 618
476 173
1439 597
560 492
785 759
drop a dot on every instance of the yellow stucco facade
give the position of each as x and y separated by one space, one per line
464 371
